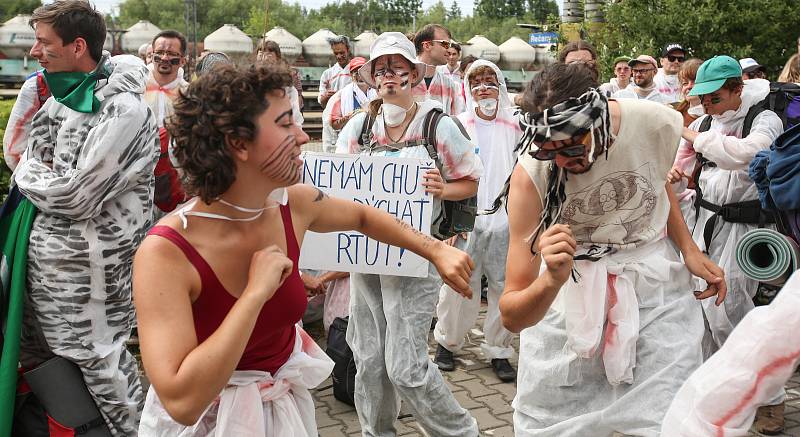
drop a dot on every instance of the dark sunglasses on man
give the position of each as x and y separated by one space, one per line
572 151
672 58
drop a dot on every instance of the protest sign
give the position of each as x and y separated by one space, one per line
390 184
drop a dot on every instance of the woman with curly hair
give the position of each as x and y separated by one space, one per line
216 285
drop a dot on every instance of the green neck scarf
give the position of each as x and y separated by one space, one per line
75 90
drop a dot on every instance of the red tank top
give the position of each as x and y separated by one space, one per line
272 340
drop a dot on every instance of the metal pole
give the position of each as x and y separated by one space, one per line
194 27
266 16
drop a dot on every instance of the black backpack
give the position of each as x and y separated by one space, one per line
784 100
457 216
344 367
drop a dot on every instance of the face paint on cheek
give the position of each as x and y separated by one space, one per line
715 100
403 80
280 165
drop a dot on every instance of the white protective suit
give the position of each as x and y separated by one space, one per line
668 85
91 177
390 316
333 79
613 348
17 131
729 182
761 354
653 96
487 245
254 403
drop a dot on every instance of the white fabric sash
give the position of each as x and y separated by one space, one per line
254 403
352 93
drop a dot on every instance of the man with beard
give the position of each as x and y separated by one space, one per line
644 69
431 44
164 83
609 325
336 77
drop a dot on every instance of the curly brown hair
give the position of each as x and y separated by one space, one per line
219 106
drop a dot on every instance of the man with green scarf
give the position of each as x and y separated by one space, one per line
89 172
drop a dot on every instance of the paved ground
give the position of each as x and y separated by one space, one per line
477 389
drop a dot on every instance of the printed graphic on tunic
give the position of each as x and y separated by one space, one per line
615 210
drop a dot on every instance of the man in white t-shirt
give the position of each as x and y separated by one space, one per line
451 68
667 82
643 88
604 302
491 123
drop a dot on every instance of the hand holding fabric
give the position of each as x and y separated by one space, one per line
557 246
701 266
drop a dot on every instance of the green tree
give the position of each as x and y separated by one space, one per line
706 28
454 13
542 9
10 8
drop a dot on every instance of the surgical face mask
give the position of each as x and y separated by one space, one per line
696 111
394 115
280 196
488 106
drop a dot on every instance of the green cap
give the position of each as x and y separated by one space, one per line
713 74
618 59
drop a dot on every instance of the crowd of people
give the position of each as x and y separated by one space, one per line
169 205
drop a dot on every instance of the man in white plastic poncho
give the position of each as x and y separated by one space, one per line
726 201
89 171
609 324
491 123
390 316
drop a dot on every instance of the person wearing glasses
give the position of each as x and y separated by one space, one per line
622 76
667 81
390 316
644 70
609 327
491 123
431 44
166 78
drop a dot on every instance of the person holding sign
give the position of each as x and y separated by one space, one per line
216 283
491 122
609 325
390 316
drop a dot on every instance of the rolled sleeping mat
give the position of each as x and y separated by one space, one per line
59 386
767 256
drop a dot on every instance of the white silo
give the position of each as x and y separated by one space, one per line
291 46
316 49
16 37
480 47
363 42
138 34
516 54
228 39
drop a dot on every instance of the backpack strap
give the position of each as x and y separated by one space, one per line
429 125
364 138
753 112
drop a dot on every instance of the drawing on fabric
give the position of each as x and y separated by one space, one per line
616 208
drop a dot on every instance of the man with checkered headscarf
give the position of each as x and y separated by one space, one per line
604 303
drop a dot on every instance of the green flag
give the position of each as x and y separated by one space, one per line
16 219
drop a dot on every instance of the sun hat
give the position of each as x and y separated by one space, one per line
392 43
713 74
356 63
749 64
643 59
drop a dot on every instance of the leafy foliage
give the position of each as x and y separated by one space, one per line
10 8
5 172
766 30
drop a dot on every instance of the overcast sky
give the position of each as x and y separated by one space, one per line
466 5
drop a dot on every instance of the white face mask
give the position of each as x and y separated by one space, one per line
394 115
488 106
696 111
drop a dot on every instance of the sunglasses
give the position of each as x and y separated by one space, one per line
642 70
166 58
574 151
676 58
445 43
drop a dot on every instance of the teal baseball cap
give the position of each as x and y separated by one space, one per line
713 74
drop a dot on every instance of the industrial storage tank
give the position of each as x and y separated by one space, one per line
138 34
363 42
108 45
291 46
16 37
228 39
480 47
516 54
316 49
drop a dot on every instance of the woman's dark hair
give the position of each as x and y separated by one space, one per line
268 45
556 83
574 46
465 62
217 107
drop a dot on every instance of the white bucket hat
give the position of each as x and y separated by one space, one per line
392 43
